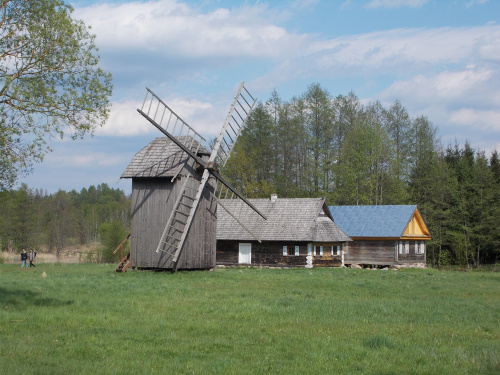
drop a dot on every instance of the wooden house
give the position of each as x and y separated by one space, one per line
297 233
383 235
158 172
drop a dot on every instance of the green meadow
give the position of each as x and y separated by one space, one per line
85 319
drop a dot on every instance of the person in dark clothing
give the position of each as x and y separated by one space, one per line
24 257
32 256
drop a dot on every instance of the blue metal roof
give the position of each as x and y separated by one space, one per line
373 221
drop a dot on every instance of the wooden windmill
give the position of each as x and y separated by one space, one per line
176 185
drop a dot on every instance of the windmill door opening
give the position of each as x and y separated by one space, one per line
245 253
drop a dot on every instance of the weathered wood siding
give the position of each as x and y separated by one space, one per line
152 202
270 253
412 257
370 252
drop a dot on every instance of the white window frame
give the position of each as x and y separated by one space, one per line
315 251
403 247
419 247
295 250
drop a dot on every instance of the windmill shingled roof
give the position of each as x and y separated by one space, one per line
160 158
288 219
373 221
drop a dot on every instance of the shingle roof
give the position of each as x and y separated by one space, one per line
373 221
160 158
288 219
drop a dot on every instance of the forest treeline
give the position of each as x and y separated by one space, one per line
309 146
33 218
366 154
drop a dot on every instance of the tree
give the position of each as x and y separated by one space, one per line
50 82
399 127
319 114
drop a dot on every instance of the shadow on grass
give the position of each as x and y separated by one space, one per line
21 299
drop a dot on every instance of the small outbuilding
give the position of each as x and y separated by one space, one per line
298 232
383 235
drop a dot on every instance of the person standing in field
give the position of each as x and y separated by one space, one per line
24 256
32 258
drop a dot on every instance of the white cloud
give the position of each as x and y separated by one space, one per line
463 103
399 53
170 29
126 121
408 49
447 87
481 120
396 3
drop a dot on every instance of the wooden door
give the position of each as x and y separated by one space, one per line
245 253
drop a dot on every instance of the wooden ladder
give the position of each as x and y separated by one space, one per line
124 261
124 264
184 209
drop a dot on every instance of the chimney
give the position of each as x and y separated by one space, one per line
274 198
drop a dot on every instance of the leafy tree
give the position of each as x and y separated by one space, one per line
319 118
50 82
21 218
399 127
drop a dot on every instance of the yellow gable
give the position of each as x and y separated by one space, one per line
416 228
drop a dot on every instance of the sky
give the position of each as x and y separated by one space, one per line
440 59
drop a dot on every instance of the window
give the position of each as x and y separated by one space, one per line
318 251
403 247
338 250
290 250
420 247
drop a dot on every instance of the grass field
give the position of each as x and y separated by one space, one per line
84 319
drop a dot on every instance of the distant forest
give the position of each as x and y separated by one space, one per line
32 218
313 145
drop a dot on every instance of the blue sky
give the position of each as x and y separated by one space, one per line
440 58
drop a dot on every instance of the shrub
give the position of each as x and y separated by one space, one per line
112 234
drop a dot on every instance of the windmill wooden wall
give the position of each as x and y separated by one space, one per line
153 197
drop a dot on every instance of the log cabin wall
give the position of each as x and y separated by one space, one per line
373 252
412 257
270 254
370 252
